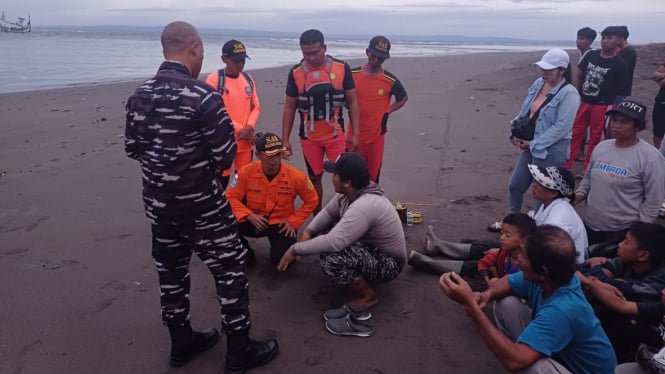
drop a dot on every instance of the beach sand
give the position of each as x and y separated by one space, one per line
78 287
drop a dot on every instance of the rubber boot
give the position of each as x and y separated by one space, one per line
244 353
186 344
437 247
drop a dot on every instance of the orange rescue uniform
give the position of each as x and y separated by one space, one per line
374 94
254 193
242 104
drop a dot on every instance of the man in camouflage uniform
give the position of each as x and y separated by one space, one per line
179 131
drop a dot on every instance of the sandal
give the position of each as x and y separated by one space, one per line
345 310
495 227
346 326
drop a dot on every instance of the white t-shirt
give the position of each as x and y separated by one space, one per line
561 213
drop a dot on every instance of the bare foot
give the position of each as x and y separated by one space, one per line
366 296
361 303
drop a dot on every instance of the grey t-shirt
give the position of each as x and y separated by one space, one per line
369 218
622 185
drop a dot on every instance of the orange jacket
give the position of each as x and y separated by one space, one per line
253 193
241 101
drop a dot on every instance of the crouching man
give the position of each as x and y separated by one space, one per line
358 236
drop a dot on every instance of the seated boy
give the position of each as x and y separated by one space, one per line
470 259
636 275
637 272
645 322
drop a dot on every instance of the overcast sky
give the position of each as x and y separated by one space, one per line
530 19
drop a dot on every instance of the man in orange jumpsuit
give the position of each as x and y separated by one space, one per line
375 88
241 100
263 196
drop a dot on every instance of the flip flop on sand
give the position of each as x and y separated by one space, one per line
495 227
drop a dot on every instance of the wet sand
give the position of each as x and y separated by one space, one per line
78 286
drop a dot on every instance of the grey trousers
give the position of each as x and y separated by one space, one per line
511 316
631 368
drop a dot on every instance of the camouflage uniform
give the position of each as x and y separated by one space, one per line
179 131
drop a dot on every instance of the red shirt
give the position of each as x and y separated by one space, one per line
374 93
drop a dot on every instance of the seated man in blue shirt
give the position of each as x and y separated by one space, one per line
556 330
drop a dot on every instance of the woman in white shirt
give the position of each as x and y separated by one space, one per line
554 187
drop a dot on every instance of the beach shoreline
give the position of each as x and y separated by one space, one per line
79 287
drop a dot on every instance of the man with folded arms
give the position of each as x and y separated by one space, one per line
360 239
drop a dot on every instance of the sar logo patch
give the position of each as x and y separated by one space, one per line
309 184
332 75
381 92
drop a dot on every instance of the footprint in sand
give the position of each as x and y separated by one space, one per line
13 252
21 358
114 237
48 265
34 225
101 306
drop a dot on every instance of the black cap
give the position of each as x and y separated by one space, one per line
350 167
234 50
612 30
631 109
269 143
623 31
380 46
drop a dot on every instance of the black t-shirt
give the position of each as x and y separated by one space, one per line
603 78
661 93
629 56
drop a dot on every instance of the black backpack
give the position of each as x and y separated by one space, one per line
221 78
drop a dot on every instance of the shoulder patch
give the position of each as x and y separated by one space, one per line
389 75
309 184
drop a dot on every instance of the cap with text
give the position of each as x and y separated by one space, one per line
631 109
270 144
379 46
234 50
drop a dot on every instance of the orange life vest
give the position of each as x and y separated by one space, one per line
320 94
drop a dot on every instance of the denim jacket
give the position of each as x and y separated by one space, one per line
555 121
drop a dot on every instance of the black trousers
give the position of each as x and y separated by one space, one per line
279 243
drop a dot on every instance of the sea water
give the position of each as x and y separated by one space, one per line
64 57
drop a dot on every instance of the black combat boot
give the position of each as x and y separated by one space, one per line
186 344
244 353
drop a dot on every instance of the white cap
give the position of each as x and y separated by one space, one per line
554 58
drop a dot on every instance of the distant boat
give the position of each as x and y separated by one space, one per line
19 26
